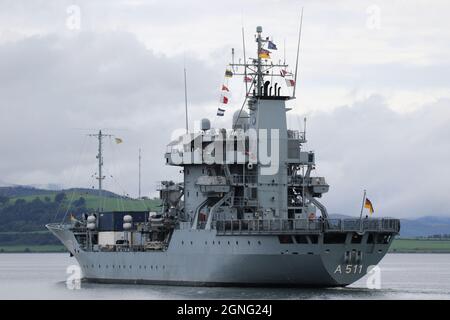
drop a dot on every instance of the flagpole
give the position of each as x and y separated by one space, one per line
362 208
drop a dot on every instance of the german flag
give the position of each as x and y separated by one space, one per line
368 205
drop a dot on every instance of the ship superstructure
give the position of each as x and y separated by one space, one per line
246 213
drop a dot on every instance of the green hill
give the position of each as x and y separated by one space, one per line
420 245
93 202
23 215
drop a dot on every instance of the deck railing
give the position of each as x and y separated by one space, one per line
306 226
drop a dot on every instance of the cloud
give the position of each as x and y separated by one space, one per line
53 85
377 100
401 159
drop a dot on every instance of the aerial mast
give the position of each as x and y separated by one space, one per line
139 193
100 135
259 77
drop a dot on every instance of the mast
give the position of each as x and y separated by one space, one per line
298 50
139 194
257 68
259 76
99 157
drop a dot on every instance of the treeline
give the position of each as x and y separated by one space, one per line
27 216
439 236
23 222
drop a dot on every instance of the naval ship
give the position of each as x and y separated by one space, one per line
242 216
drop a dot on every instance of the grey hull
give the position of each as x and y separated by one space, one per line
201 258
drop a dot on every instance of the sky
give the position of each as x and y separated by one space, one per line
374 84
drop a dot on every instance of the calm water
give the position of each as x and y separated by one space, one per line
43 276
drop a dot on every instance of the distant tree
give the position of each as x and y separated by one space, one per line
20 202
4 200
60 197
81 202
47 199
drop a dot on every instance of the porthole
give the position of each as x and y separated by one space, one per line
248 242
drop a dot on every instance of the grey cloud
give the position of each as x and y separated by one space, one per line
52 84
401 159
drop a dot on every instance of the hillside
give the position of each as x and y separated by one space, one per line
24 214
22 191
420 227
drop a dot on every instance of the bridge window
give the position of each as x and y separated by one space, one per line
356 238
370 239
333 238
314 239
285 239
383 238
301 239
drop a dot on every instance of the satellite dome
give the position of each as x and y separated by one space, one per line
242 122
205 124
